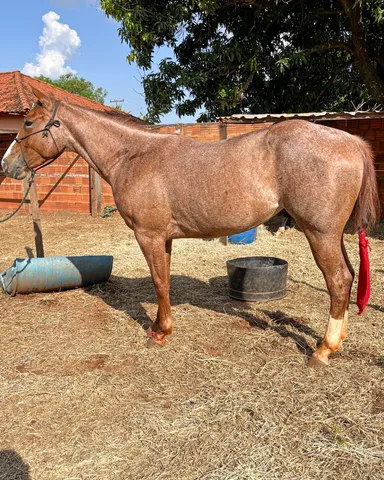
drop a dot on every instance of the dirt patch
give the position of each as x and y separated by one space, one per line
378 404
98 362
229 396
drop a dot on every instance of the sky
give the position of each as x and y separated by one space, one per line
53 37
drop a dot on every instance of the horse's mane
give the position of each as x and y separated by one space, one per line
121 117
127 120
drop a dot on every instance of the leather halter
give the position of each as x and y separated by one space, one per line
47 129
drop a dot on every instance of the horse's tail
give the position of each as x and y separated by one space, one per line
367 207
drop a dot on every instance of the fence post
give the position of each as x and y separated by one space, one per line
222 130
223 134
95 191
36 220
27 201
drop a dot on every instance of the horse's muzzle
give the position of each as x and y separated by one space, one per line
17 169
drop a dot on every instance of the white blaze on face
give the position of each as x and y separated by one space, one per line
7 153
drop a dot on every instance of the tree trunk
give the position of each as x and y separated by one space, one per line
368 73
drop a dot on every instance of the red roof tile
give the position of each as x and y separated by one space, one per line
16 94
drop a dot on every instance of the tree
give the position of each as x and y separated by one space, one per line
72 83
121 109
234 56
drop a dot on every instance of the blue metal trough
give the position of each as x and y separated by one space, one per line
50 274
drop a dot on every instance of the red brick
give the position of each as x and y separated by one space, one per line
369 135
376 123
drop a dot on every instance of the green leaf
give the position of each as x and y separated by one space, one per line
238 57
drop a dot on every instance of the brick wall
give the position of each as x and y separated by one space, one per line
210 132
64 185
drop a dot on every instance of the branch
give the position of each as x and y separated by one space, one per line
246 86
378 60
243 3
327 46
329 12
327 85
347 6
330 81
267 3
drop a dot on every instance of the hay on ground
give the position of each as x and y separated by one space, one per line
229 397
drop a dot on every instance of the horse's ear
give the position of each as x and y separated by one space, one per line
45 100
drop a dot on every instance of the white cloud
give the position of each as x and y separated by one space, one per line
58 44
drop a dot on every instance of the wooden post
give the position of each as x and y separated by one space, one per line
222 131
36 221
95 191
223 134
223 240
27 201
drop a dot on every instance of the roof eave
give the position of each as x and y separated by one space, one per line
310 116
16 112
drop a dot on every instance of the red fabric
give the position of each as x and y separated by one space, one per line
364 282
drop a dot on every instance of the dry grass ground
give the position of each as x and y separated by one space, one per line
229 397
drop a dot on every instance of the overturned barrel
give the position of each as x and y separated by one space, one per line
49 274
255 279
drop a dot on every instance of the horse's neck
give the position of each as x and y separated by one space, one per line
97 139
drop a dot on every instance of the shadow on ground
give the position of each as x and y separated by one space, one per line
129 294
12 466
380 308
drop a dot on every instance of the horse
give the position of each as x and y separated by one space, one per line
167 186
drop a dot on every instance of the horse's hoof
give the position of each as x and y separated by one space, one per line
155 341
315 362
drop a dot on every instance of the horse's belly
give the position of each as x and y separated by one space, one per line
211 220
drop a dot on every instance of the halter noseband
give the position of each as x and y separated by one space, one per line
47 129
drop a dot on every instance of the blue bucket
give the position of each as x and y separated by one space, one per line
243 238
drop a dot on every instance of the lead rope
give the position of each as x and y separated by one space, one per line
31 180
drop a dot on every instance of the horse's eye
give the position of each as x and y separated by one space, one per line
28 123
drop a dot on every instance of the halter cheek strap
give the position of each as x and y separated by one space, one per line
47 129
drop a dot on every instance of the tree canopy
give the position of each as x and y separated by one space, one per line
74 84
258 56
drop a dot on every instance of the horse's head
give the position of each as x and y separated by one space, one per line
39 140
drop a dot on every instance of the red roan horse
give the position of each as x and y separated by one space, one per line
169 186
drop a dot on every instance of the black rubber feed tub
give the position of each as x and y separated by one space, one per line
256 279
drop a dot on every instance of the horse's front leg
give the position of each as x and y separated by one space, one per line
157 252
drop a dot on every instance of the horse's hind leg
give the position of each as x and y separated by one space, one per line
157 252
330 256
